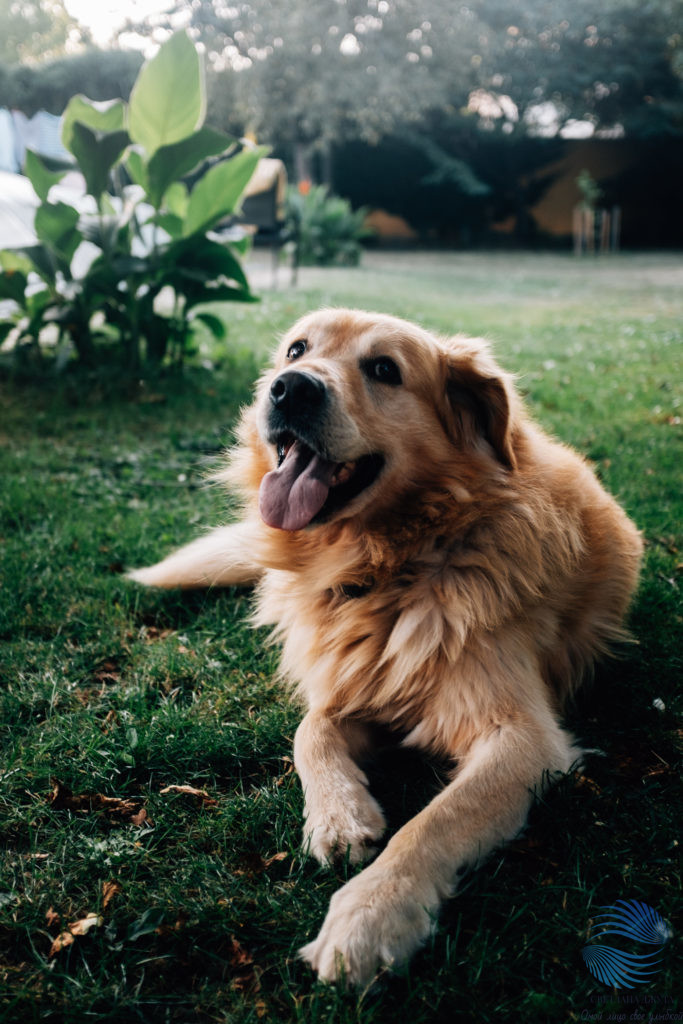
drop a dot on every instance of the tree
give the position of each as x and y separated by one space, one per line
615 64
35 29
311 73
103 74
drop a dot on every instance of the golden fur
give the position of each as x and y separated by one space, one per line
458 599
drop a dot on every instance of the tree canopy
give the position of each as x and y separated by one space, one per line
101 74
35 29
308 73
464 86
304 74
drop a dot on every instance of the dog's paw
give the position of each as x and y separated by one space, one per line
351 821
376 920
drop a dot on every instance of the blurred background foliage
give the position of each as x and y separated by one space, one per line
475 101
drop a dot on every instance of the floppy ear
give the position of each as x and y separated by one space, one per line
480 399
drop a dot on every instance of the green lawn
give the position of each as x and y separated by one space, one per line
117 692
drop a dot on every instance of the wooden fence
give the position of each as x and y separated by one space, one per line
596 231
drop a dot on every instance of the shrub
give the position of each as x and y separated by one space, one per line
328 230
128 268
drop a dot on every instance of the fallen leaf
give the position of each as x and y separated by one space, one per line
242 964
107 672
199 794
51 917
584 782
62 798
81 927
170 929
276 856
112 719
152 633
288 771
252 863
60 943
109 890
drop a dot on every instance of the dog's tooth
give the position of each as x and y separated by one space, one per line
347 471
343 473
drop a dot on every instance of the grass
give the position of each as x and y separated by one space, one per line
119 692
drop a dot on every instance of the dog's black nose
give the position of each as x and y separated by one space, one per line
295 390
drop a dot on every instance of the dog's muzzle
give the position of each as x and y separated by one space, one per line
297 404
307 486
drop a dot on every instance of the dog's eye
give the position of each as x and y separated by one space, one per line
296 349
383 370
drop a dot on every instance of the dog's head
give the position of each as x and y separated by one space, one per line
362 409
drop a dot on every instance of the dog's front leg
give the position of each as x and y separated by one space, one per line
341 815
387 911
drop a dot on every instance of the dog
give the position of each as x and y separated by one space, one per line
433 563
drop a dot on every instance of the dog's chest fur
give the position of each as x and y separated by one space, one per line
404 644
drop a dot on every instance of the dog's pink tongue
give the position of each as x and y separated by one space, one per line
293 494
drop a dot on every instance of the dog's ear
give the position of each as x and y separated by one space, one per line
480 398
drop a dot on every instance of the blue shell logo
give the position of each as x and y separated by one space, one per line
636 921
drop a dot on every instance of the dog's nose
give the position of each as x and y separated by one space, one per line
297 390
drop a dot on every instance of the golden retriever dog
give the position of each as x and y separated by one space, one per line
432 563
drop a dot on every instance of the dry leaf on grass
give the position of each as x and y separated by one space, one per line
288 770
276 857
151 633
585 782
252 863
62 798
51 917
81 927
242 964
198 794
109 890
107 672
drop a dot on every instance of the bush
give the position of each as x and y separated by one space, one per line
126 272
328 230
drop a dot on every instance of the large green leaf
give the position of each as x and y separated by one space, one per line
36 302
38 174
169 222
96 155
172 162
214 323
100 117
217 194
177 197
207 260
56 226
219 293
13 286
137 168
14 259
43 262
168 101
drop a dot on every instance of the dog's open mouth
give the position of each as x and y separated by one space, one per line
307 488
